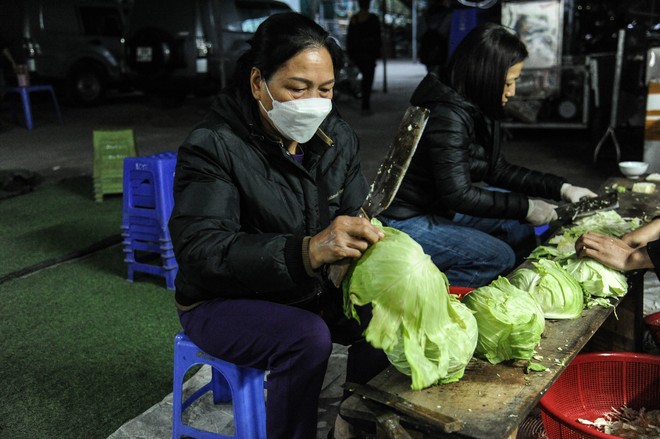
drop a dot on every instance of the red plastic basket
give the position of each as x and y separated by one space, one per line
459 292
592 385
653 323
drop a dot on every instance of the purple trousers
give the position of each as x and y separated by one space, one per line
293 344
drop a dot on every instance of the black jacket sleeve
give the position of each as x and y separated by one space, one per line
465 154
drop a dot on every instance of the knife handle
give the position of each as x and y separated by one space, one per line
387 421
337 270
446 423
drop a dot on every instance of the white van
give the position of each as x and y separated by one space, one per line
175 47
76 44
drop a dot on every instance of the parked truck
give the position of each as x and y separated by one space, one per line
78 45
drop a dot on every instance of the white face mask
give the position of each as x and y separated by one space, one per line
298 119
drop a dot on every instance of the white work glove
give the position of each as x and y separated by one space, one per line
540 212
573 194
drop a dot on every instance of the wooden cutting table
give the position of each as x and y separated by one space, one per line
492 400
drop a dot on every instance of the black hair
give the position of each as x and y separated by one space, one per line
278 39
478 67
364 4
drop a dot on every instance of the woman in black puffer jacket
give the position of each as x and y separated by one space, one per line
461 200
264 194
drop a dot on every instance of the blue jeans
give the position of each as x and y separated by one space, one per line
471 251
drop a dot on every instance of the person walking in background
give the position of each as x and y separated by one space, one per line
265 193
470 209
434 40
363 44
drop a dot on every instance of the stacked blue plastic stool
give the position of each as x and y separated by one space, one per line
243 386
147 206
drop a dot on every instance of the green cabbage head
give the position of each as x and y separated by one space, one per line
596 279
510 321
425 333
558 293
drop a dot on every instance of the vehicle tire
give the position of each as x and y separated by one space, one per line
86 85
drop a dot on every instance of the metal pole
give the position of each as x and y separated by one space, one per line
221 43
386 45
617 78
414 30
615 99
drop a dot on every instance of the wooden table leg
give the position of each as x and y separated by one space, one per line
624 328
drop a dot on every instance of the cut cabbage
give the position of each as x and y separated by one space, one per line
596 279
425 333
510 321
554 289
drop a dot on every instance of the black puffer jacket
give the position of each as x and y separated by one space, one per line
460 150
242 205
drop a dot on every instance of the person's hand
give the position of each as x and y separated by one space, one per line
644 234
573 194
540 212
612 252
345 237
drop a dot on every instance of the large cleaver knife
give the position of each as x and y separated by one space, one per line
389 176
587 206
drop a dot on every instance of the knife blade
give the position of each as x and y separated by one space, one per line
397 159
418 414
389 176
587 206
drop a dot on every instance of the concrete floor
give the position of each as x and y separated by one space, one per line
58 151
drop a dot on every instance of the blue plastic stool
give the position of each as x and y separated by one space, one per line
148 187
243 386
25 98
147 204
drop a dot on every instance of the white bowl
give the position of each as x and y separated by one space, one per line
633 169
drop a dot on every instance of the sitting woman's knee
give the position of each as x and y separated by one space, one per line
316 339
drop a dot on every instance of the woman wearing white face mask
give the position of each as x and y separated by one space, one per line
265 191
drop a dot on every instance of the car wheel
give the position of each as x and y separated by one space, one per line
86 86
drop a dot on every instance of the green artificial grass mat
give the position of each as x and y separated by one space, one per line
54 223
83 350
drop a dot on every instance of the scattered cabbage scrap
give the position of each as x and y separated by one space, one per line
552 253
424 332
554 289
510 321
